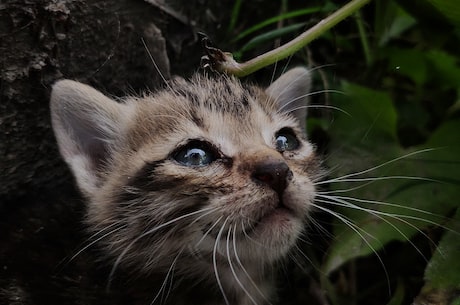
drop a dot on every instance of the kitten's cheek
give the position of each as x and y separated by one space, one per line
298 205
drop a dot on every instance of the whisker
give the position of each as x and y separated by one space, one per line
151 231
380 215
155 64
310 261
315 93
274 72
399 216
357 229
298 263
99 238
318 226
289 86
319 106
391 205
244 269
232 269
387 163
163 285
372 179
210 210
214 261
250 238
208 231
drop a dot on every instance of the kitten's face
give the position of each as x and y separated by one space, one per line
210 169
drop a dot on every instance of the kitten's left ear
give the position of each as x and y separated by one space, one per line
87 125
291 91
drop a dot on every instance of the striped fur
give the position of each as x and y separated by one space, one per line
213 223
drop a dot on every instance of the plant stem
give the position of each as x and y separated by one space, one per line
363 38
229 65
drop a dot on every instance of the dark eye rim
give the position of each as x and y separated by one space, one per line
289 131
196 143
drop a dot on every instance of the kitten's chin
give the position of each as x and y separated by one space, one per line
275 234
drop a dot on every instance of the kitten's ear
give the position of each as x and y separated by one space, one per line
291 92
86 124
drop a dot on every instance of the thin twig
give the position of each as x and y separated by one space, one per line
224 61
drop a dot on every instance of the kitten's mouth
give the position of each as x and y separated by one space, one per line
276 216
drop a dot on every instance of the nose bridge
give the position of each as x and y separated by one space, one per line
253 157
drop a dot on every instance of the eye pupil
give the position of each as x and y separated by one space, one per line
281 142
285 141
195 153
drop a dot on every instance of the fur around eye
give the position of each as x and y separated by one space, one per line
285 140
195 154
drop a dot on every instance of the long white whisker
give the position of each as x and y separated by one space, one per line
99 238
308 259
319 106
311 94
204 215
151 231
251 239
388 204
168 274
155 64
387 163
244 269
289 86
397 216
372 179
232 269
357 229
379 215
208 231
274 72
214 261
319 227
346 190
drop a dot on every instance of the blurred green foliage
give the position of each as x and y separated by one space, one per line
393 193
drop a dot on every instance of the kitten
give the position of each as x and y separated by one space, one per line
205 186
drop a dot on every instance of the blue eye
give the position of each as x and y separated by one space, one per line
286 140
195 153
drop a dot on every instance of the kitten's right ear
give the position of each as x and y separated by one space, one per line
86 124
291 91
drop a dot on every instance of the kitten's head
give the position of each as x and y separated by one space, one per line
208 169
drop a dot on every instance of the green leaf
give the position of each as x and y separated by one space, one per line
445 68
308 11
271 35
449 8
234 16
401 22
443 270
408 62
372 114
398 297
404 196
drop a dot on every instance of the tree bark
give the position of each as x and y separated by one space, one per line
95 42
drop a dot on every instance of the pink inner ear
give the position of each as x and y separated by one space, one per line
85 122
88 140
